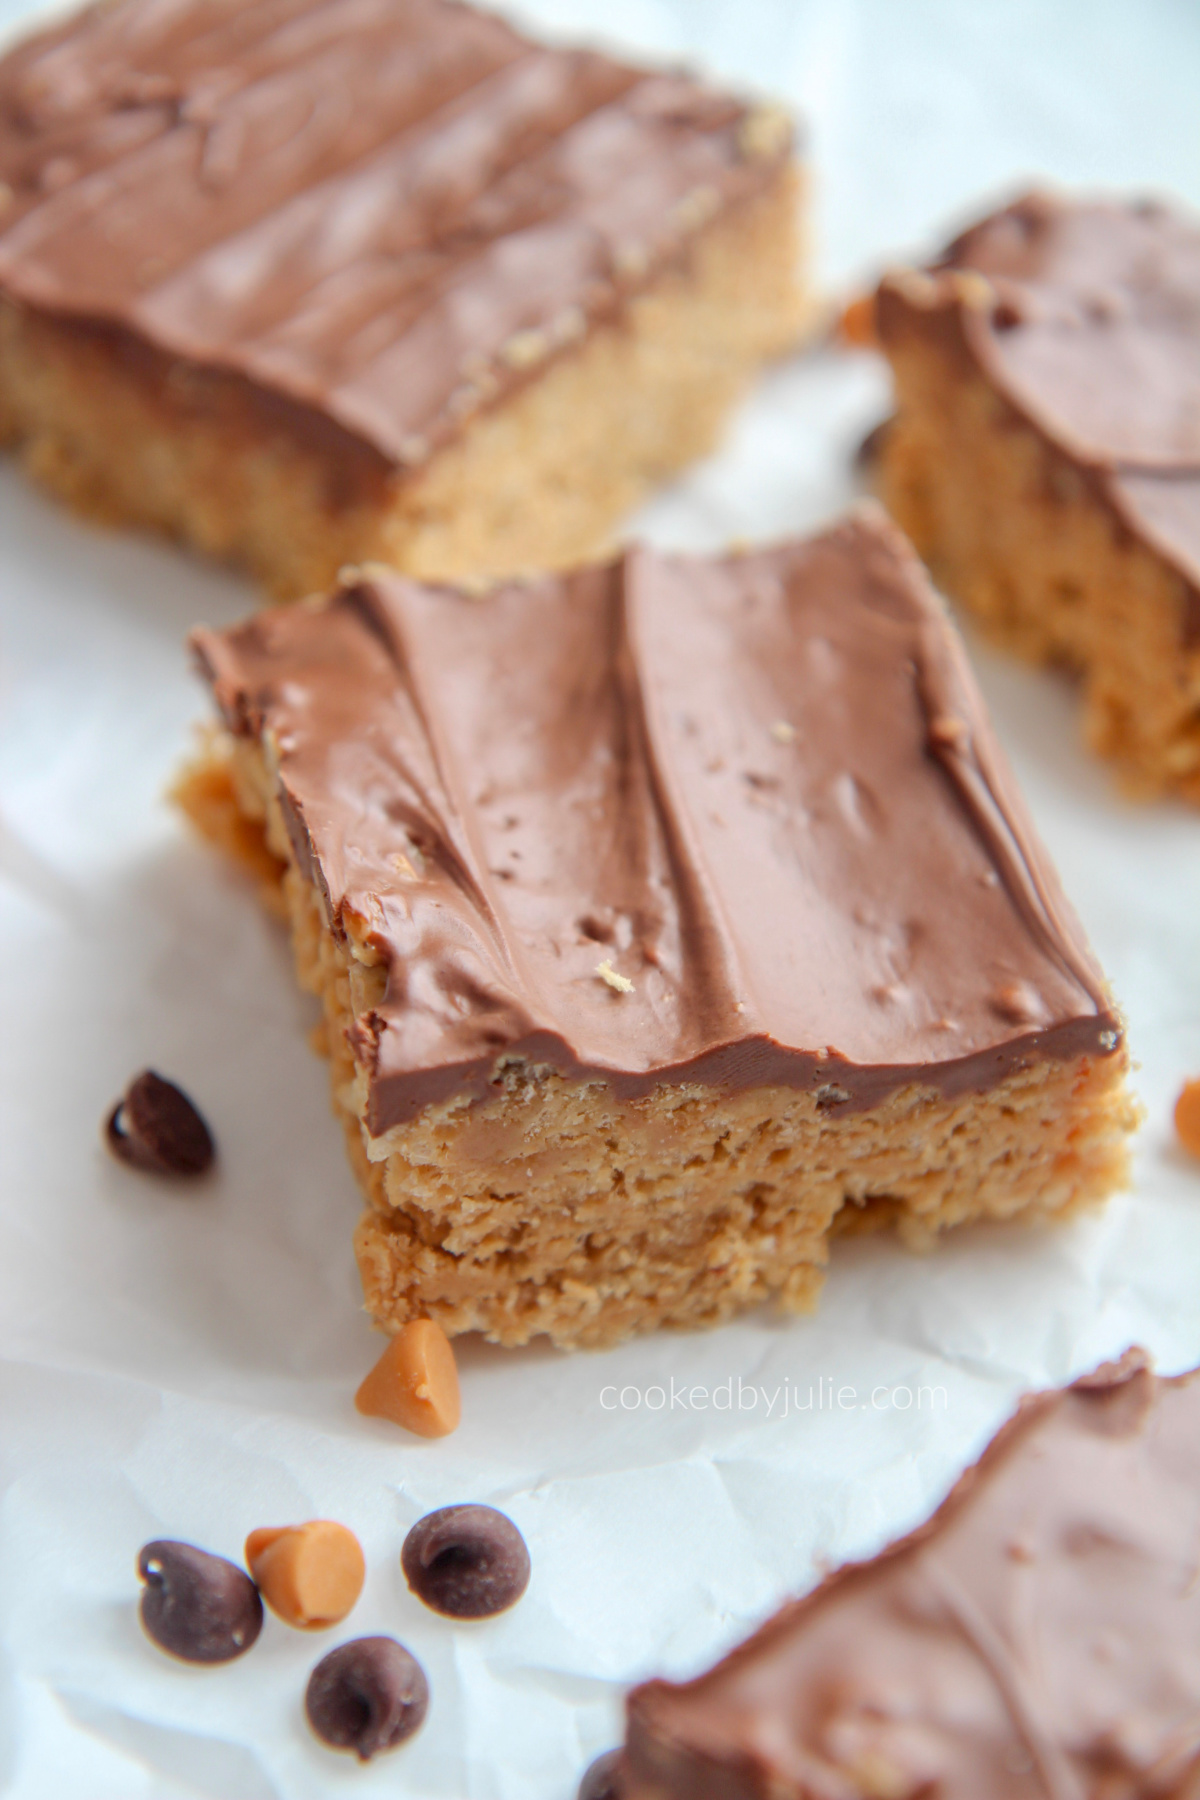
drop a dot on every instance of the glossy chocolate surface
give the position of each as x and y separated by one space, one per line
1087 321
1038 1639
734 821
386 211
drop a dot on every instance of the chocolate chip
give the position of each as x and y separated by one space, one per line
367 1696
870 450
602 1778
156 1127
466 1561
197 1606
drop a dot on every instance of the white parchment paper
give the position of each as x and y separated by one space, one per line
181 1362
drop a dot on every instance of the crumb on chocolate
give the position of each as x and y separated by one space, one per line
413 449
525 348
698 206
764 132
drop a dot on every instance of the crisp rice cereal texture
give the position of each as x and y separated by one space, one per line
1012 528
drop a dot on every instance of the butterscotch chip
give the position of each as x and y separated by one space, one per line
1187 1117
415 1382
856 327
309 1575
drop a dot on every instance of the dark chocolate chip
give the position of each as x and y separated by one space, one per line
156 1127
367 1696
602 1778
870 450
197 1606
466 1561
1034 212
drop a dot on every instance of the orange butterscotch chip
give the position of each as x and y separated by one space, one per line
310 1575
1187 1117
856 326
415 1382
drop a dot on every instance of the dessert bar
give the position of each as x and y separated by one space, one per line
1037 1638
1045 457
317 281
669 915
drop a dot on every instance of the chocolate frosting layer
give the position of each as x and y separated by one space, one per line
736 821
1087 321
1040 1636
1096 326
388 211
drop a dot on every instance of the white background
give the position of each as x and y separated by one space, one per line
180 1362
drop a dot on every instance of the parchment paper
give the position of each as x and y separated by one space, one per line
181 1362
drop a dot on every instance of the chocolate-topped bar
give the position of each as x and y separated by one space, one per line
669 915
1046 453
312 281
1038 1639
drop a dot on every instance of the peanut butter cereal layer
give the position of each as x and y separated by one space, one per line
669 916
1045 457
316 281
